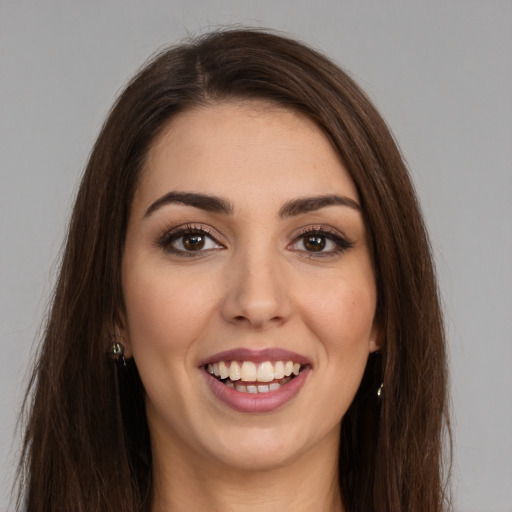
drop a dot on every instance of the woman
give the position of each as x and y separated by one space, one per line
247 315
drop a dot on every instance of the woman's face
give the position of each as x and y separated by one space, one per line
246 259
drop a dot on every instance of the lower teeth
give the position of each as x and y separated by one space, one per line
255 389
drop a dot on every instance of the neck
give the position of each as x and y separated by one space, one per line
309 483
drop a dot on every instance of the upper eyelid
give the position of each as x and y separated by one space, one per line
321 228
191 228
343 242
170 234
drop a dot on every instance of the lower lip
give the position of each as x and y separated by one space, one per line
258 402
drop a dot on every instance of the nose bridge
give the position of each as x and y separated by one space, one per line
257 292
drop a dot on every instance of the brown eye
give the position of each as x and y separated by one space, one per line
189 241
321 242
314 243
194 242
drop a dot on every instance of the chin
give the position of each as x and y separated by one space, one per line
261 449
256 458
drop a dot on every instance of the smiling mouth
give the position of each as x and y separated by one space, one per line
254 378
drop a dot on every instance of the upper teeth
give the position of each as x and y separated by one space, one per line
248 371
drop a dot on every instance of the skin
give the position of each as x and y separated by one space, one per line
254 285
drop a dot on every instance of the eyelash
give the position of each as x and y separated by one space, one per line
170 236
342 243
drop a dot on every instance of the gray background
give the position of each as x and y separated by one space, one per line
440 72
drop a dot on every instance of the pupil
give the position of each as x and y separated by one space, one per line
314 243
193 242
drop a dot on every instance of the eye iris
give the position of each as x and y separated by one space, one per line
193 242
314 243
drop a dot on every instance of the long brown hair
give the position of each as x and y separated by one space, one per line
87 442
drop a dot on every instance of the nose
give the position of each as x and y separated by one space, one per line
257 293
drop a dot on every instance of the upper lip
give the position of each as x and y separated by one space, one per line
256 356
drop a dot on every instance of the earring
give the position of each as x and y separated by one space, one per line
379 391
117 351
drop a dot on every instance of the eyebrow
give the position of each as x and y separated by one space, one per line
217 204
311 204
202 201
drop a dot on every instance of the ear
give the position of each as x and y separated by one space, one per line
122 334
374 341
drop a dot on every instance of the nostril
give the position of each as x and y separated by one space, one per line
257 320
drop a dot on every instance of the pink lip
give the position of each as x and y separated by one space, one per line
261 402
256 356
256 403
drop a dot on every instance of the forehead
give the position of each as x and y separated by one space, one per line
256 146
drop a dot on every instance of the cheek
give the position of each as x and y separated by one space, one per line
341 320
344 316
163 311
344 328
